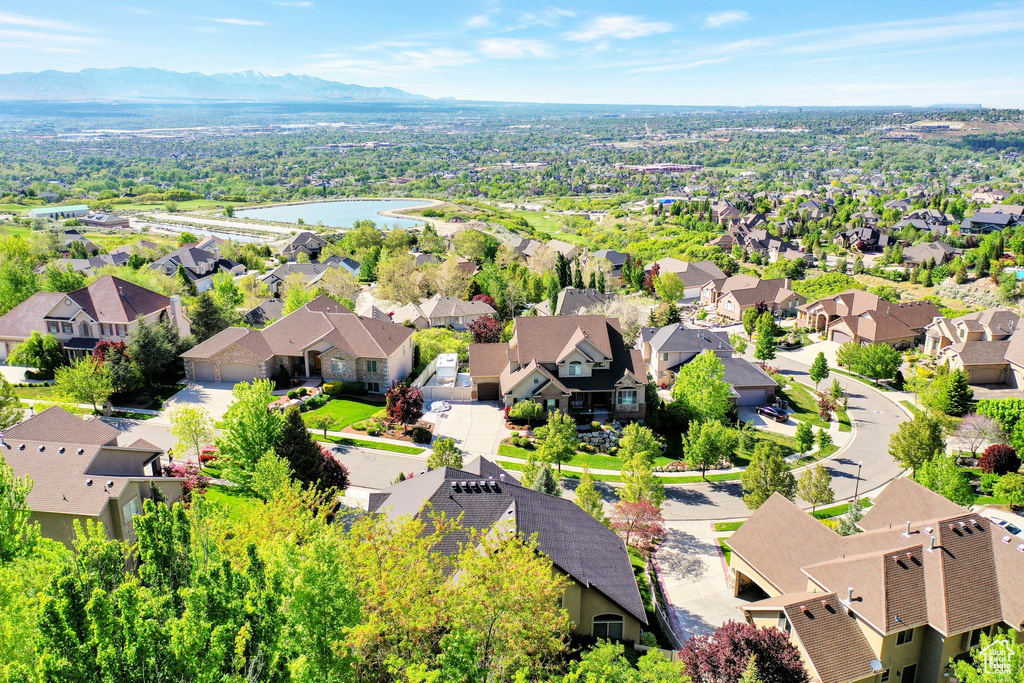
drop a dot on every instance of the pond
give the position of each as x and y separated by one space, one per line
338 214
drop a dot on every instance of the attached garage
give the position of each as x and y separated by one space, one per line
987 374
752 397
840 337
237 372
202 371
487 391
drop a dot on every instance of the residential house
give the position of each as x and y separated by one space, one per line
936 228
732 296
309 272
868 319
87 266
984 223
442 311
105 220
770 247
199 265
988 195
84 470
69 236
106 310
694 274
321 339
136 247
724 212
615 259
572 301
265 313
303 242
667 349
978 343
569 251
938 251
601 595
864 239
576 364
350 266
918 587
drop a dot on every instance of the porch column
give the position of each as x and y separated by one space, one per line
305 359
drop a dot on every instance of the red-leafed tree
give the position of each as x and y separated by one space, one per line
826 405
333 474
486 330
722 657
1000 459
487 299
105 347
404 404
640 524
195 480
651 277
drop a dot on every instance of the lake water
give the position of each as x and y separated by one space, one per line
340 214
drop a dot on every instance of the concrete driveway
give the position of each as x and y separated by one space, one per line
214 396
477 427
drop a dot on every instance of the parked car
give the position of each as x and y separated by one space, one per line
773 413
1009 527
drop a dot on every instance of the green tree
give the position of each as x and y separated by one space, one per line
62 279
764 350
10 405
587 496
184 281
445 454
823 438
917 441
804 436
707 444
249 430
815 486
942 475
17 535
560 439
193 428
322 421
638 448
84 381
207 317
959 394
1010 488
700 391
545 482
669 287
153 348
819 369
766 474
975 668
295 446
738 343
606 663
877 361
750 318
38 351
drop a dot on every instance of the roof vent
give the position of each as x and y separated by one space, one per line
21 447
110 484
963 524
60 450
88 482
1020 548
824 603
931 543
455 486
1006 539
805 609
42 448
907 533
81 451
927 529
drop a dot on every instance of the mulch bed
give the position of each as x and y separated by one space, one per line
396 433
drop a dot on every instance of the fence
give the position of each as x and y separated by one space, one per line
446 392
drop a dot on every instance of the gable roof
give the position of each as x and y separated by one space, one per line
677 338
111 299
572 300
692 273
584 548
271 309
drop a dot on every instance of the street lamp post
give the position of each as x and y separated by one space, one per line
856 486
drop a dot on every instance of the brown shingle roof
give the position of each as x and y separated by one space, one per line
20 321
903 500
112 299
487 360
836 646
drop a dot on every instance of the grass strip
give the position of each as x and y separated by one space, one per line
373 445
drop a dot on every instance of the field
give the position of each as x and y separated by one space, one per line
549 224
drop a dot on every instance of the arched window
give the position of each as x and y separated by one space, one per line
575 368
85 330
608 626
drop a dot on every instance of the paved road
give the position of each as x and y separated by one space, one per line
874 418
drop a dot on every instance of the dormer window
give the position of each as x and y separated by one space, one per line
575 368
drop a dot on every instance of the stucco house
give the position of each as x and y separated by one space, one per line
577 364
321 339
926 251
918 587
84 469
200 266
442 311
732 296
572 301
601 595
987 345
694 274
304 242
868 319
106 310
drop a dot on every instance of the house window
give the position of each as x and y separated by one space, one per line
904 637
122 330
963 333
536 380
129 510
627 397
67 328
371 366
783 624
551 404
575 368
885 677
975 638
52 327
664 356
337 365
373 387
104 329
608 626
909 674
728 305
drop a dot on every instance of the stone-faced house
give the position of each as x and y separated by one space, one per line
321 339
576 364
200 265
987 345
442 311
106 310
601 596
732 296
304 242
84 469
868 319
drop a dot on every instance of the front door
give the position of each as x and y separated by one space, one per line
909 674
314 363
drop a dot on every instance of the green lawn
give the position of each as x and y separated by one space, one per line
616 479
548 224
642 582
911 407
727 526
376 445
726 550
805 407
345 412
39 391
234 501
837 510
591 460
866 380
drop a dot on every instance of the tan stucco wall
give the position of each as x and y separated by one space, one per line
739 566
583 604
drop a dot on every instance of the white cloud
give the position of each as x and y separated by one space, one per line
512 48
297 3
546 17
397 63
478 21
44 38
235 21
618 26
9 19
677 67
35 46
725 18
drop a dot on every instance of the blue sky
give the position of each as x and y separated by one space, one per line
775 52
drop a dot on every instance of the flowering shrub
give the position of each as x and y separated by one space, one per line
195 480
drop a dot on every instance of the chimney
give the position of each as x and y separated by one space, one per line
787 283
178 316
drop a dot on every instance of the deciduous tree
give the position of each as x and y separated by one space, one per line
707 444
819 369
815 486
193 428
700 391
639 523
485 330
638 448
84 381
445 454
766 474
249 430
917 441
724 655
588 497
404 404
560 439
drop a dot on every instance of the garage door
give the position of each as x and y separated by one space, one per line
752 397
840 337
487 391
987 375
202 371
236 372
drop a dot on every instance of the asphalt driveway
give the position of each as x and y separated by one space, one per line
477 427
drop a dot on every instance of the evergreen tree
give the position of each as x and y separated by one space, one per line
553 290
592 280
819 369
207 317
545 482
296 447
959 393
563 270
577 278
961 274
182 276
600 282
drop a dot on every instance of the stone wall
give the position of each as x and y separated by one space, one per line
602 439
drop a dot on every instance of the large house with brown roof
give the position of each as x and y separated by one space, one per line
442 311
732 296
987 345
577 364
894 603
84 469
601 597
693 274
199 265
321 339
106 310
856 315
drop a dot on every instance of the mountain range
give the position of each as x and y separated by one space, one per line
152 84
